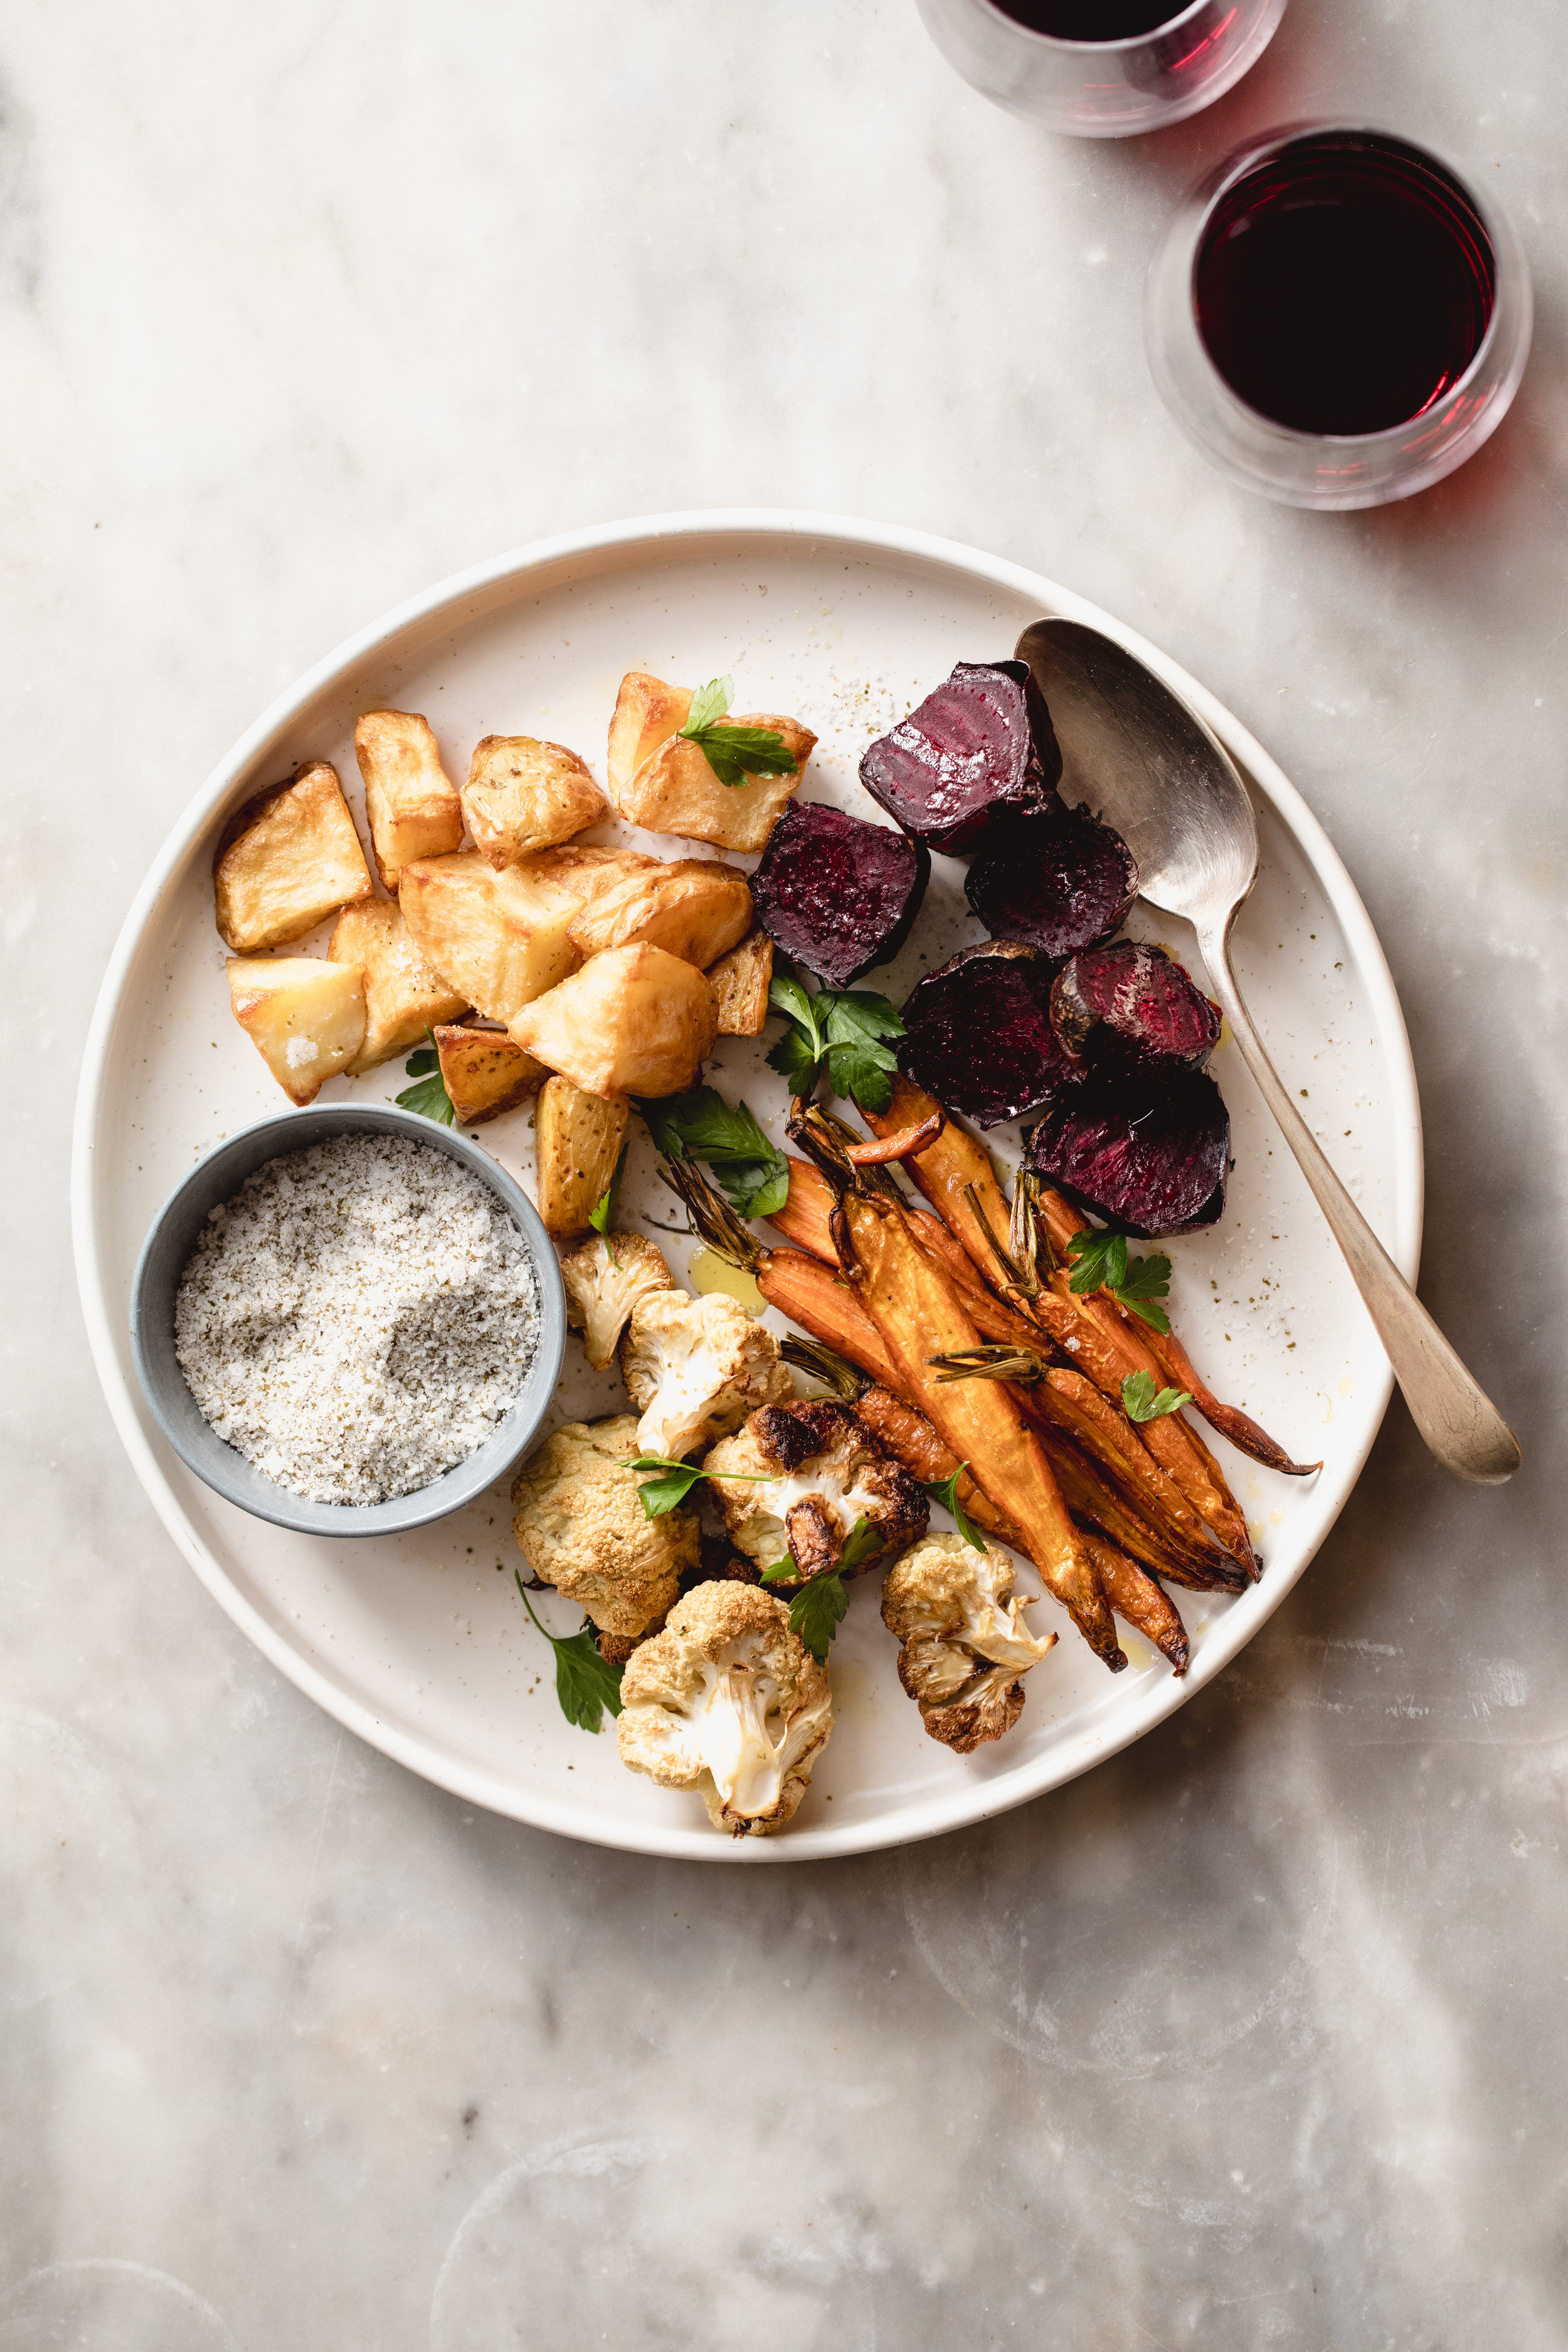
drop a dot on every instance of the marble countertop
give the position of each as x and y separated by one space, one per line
1250 2037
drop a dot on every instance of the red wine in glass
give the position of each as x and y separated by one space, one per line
1093 20
1345 285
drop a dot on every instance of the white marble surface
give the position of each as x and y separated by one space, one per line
1252 2037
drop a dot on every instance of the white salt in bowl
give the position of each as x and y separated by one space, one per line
167 1251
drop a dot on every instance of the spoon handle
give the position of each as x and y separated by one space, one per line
1459 1423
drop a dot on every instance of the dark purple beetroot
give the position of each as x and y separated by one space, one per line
1145 1144
1137 996
978 748
837 894
1057 881
979 1033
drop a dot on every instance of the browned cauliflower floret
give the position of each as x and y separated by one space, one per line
582 1528
824 1471
965 1646
695 1368
728 1701
603 1281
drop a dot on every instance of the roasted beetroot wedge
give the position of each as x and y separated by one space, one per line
1137 995
1057 881
1145 1143
980 749
837 894
979 1033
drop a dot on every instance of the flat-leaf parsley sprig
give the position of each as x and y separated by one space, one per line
701 1126
586 1684
602 1215
1101 1263
429 1097
818 1609
735 754
841 1033
945 1492
1142 1401
673 1481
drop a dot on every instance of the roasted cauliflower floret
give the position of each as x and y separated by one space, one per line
603 1280
965 1646
695 1368
824 1472
582 1528
728 1700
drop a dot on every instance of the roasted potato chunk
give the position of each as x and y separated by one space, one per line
634 1020
286 861
694 907
740 982
497 935
577 1140
583 867
304 1016
484 1074
658 780
523 795
403 997
410 800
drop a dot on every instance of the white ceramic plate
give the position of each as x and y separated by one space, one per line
420 1645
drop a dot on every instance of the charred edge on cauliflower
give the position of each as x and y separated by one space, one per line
964 1647
728 1701
827 1472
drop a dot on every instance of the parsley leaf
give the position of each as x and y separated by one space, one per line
429 1097
586 1683
1142 1403
860 1542
735 754
669 1489
602 1213
1100 1262
816 1612
701 1126
945 1492
844 1028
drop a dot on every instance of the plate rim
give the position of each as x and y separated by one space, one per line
967 1804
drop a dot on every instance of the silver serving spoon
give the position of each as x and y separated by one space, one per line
1141 757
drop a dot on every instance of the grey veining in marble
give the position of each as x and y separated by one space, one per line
1252 2038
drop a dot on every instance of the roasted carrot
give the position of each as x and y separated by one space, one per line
918 1313
1171 1359
1134 1595
1137 1597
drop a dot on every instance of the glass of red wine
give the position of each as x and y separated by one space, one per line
1336 318
1103 68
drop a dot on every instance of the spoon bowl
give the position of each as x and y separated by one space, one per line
1144 761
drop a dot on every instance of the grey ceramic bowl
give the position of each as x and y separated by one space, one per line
167 1250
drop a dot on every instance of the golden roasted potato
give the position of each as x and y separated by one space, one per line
587 869
658 780
304 1016
634 1020
577 1140
410 800
403 997
647 714
497 935
523 795
740 982
694 907
484 1074
286 861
